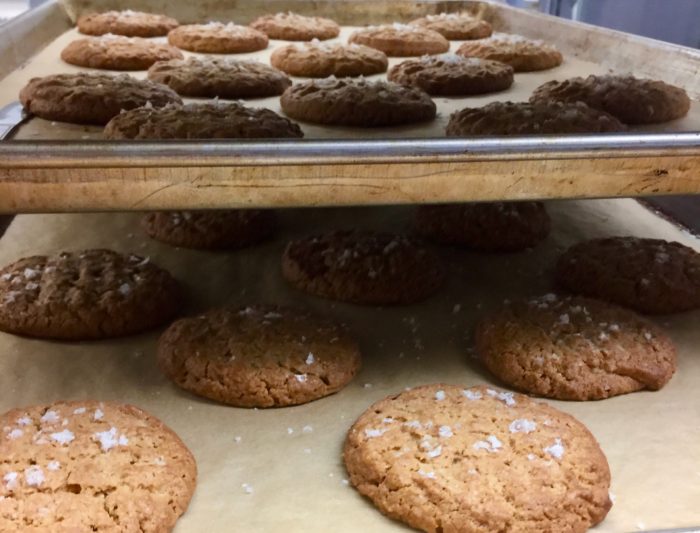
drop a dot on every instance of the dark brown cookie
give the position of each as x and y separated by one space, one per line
631 100
218 38
401 40
649 275
453 75
113 52
215 120
128 23
293 27
357 102
574 348
219 77
210 229
442 458
363 267
320 60
521 53
91 466
492 227
522 118
455 26
93 294
259 356
85 98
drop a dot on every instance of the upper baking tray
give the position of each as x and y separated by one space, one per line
340 166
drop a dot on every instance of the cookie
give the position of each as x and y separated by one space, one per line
455 26
490 227
113 52
84 98
219 77
128 23
213 120
91 466
357 102
631 100
363 267
446 459
574 348
231 229
321 60
94 294
521 53
648 275
293 27
523 118
453 75
401 40
259 356
218 38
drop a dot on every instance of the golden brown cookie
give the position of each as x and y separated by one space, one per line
363 267
648 275
321 60
574 348
218 38
455 26
523 118
259 356
91 466
401 40
631 100
521 53
357 102
293 27
445 459
84 98
230 229
93 294
453 75
214 120
219 77
491 227
128 23
112 52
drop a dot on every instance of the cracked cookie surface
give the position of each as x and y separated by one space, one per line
84 98
521 53
294 27
401 40
320 60
363 267
114 52
218 38
259 356
92 294
648 275
91 466
455 26
128 23
445 459
574 348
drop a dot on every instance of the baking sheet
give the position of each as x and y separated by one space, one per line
48 62
650 438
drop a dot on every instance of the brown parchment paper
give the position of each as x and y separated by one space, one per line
651 439
48 61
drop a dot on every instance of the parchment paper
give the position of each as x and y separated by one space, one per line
48 62
651 439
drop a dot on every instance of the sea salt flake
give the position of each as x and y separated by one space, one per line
614 327
63 437
471 395
31 286
98 414
109 439
564 319
387 420
522 425
53 466
440 395
371 433
424 473
310 360
435 452
24 421
50 417
30 273
124 289
10 480
647 335
445 431
556 450
531 456
15 433
301 378
413 424
79 411
506 397
491 444
34 476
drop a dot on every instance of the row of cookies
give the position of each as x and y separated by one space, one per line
310 356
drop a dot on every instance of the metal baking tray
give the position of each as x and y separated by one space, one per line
351 167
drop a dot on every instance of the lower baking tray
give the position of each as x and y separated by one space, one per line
344 166
650 438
